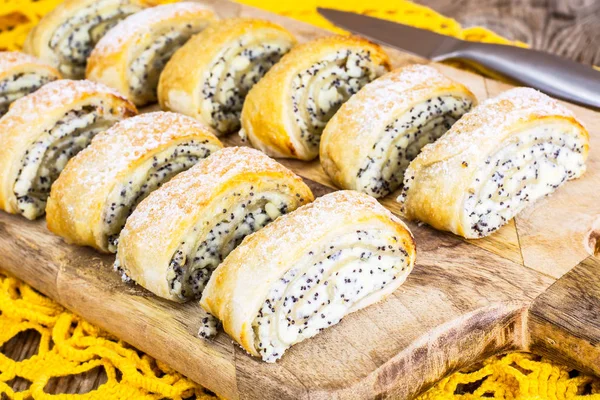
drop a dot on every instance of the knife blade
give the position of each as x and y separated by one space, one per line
554 75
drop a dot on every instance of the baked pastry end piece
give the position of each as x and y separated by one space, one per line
496 160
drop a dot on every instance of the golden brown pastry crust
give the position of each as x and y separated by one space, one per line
111 59
267 117
240 285
440 180
79 196
354 132
31 115
156 228
181 87
38 40
14 62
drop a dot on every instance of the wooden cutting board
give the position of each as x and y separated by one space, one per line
534 285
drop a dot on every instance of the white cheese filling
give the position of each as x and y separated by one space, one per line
74 39
46 158
237 69
403 139
319 91
146 178
527 168
199 254
19 85
323 287
145 69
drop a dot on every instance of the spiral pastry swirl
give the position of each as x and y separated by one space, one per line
65 37
42 131
370 141
286 111
177 236
21 74
504 155
101 186
342 253
210 76
131 57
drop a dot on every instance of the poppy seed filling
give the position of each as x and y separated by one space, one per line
319 91
323 287
383 171
199 255
145 179
19 85
145 69
74 40
46 158
238 68
524 169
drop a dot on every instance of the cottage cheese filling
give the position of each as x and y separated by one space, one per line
74 39
528 167
199 254
319 91
20 85
46 158
237 69
145 179
145 69
323 287
403 139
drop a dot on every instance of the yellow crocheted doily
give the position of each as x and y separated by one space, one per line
71 346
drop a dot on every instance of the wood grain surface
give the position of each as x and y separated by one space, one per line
466 300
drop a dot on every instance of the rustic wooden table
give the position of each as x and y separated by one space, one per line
566 27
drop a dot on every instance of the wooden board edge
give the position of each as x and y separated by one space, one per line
564 321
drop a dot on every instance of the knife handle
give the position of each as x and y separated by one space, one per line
554 75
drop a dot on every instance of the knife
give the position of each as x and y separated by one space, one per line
554 75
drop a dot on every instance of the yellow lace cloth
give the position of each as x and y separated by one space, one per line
71 346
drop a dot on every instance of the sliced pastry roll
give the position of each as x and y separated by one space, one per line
100 187
21 74
210 76
177 236
370 141
42 131
65 37
131 56
286 111
307 270
497 159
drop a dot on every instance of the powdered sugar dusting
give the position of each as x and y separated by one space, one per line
185 193
54 95
395 90
134 138
493 118
143 22
13 59
307 221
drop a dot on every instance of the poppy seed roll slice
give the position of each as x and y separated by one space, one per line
42 131
505 154
307 270
370 141
285 112
101 186
181 232
210 76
